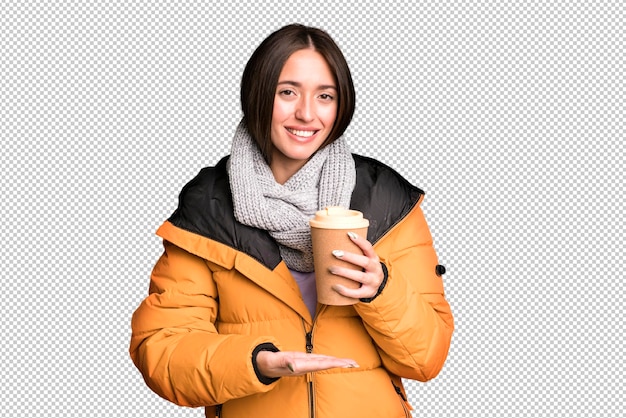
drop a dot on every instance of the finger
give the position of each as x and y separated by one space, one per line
297 355
313 365
361 292
363 244
295 360
358 260
358 276
372 277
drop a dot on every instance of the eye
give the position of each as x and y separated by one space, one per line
326 97
286 92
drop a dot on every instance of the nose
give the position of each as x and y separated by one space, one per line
304 110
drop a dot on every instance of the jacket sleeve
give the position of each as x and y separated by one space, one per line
175 344
410 321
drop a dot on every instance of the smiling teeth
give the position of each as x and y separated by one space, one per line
304 134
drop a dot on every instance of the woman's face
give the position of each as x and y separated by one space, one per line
305 109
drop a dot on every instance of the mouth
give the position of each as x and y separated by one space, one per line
302 133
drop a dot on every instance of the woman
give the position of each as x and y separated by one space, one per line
232 321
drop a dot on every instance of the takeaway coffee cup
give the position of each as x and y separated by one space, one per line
329 231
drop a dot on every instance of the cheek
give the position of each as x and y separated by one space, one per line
329 116
280 111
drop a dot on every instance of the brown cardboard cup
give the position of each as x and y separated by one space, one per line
329 231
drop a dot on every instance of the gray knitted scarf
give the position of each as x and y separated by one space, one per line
284 210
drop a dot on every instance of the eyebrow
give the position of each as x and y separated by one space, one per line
297 84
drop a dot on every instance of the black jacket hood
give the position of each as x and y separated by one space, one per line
205 207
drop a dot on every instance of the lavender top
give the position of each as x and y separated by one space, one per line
306 283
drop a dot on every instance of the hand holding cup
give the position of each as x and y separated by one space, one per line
329 232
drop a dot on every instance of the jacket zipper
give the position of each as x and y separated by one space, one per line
404 400
309 376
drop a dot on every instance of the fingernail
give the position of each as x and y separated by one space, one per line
338 253
352 235
290 367
351 366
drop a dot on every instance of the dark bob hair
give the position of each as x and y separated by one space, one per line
260 78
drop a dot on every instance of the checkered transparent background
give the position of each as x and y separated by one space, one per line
510 116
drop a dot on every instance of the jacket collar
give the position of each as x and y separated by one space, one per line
206 208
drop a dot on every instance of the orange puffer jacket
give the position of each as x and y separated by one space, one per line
220 290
